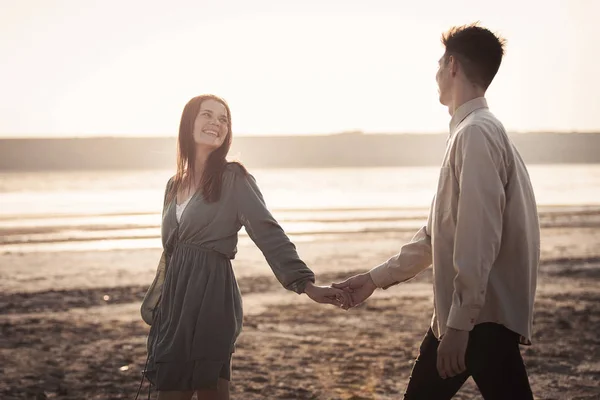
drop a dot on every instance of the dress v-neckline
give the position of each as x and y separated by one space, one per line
189 200
184 203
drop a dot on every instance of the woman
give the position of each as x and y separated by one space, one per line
195 324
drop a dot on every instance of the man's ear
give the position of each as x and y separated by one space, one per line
453 65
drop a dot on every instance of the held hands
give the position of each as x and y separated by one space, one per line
350 293
360 288
327 295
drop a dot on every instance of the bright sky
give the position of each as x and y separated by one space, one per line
127 67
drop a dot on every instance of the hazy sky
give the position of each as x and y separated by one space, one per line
83 67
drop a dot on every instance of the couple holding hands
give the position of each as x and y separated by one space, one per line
481 236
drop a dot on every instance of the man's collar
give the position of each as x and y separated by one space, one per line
465 109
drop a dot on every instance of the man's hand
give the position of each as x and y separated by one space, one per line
360 287
451 353
327 295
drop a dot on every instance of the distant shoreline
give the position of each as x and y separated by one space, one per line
44 136
351 149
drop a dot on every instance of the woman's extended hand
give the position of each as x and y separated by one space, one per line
328 295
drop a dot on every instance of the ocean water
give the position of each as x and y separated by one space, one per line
103 210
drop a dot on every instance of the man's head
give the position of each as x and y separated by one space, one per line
472 57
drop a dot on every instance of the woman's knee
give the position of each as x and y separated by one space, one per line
207 394
223 388
221 393
162 395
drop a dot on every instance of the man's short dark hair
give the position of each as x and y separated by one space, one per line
478 51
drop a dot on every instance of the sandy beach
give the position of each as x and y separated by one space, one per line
70 325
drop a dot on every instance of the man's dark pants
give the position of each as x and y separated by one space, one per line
493 359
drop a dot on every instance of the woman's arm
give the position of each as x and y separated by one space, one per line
279 251
267 234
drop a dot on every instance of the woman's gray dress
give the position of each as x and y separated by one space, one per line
199 316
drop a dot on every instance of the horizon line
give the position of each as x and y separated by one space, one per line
290 135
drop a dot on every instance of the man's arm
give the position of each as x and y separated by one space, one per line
413 258
479 168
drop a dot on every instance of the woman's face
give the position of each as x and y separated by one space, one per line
211 124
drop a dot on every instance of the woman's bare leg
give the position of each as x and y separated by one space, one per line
223 388
222 392
207 394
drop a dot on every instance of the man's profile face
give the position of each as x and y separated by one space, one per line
444 79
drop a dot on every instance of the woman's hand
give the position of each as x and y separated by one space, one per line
328 295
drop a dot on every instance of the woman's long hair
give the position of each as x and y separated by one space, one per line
212 177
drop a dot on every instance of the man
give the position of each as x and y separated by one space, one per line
482 237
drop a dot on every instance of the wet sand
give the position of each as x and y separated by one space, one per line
70 326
